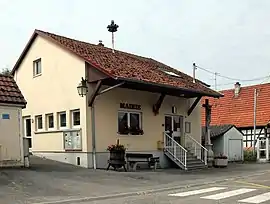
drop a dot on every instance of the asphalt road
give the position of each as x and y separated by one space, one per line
255 189
51 182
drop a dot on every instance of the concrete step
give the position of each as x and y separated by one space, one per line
189 168
195 162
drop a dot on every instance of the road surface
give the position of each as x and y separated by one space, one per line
255 189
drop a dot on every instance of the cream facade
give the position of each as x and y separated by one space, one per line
58 122
107 108
52 91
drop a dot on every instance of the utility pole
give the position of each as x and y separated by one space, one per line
194 69
254 122
216 80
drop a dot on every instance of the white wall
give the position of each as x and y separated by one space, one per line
218 145
11 149
234 152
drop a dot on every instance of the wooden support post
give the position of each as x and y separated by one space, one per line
157 106
94 94
194 105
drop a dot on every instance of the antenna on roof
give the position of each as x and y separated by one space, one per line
194 69
112 28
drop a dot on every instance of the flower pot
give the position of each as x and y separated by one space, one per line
117 155
220 162
117 158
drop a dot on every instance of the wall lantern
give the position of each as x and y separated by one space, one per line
82 88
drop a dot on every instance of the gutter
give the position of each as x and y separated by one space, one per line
218 95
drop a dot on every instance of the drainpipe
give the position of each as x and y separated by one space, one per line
93 125
93 136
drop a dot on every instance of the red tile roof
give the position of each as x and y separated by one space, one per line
9 91
239 110
121 65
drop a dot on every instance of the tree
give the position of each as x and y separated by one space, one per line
6 71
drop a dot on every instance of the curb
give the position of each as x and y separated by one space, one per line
144 192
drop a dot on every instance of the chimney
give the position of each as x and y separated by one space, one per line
237 87
100 43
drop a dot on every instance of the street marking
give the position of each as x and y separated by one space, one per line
228 194
253 184
195 192
257 199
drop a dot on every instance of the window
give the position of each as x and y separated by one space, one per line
129 123
50 121
28 127
75 118
39 122
62 119
188 127
37 67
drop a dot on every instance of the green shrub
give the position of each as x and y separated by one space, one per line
249 155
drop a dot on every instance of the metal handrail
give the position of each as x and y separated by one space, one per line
173 153
204 158
175 142
197 143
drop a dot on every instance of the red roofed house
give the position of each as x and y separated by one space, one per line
11 131
237 108
131 98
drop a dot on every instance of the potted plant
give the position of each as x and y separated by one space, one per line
135 131
221 160
117 155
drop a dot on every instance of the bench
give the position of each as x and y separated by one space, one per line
134 158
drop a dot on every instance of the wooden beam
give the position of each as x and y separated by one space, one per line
194 105
157 106
259 135
110 88
94 94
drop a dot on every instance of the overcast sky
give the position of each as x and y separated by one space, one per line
231 37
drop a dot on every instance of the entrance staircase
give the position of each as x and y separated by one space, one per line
194 156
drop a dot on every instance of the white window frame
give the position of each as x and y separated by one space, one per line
128 119
35 67
59 120
72 115
47 121
36 122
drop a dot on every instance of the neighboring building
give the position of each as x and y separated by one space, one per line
237 108
226 140
141 93
11 130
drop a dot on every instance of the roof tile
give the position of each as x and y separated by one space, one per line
240 110
9 91
128 66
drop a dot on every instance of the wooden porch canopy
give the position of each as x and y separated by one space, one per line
161 89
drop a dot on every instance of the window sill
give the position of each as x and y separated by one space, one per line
37 75
129 134
56 131
73 150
